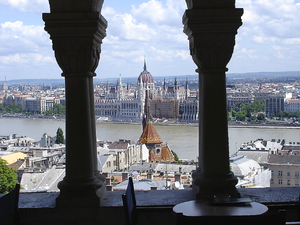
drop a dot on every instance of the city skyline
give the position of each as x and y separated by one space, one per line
268 40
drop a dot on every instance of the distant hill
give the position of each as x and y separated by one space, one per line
264 74
253 75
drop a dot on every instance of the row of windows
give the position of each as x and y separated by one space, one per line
128 114
108 164
288 173
105 106
288 182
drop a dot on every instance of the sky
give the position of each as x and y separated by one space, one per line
268 40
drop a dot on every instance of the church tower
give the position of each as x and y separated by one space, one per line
157 151
145 82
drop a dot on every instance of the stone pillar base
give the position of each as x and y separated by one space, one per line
80 195
209 187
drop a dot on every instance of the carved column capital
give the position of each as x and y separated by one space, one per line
76 39
211 26
211 34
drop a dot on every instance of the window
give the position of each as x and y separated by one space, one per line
296 182
280 173
280 182
297 174
288 174
288 182
272 181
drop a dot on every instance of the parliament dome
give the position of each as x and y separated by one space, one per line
145 76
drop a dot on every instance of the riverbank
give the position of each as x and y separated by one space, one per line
236 124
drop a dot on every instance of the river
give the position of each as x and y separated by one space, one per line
182 139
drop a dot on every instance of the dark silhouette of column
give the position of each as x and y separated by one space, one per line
77 29
211 27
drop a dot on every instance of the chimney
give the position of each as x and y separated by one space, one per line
108 181
149 176
178 177
124 176
109 188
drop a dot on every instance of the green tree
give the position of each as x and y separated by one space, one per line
248 114
233 113
13 108
280 114
286 114
8 178
254 107
258 106
261 116
48 113
175 156
252 119
295 114
59 109
60 136
2 108
241 116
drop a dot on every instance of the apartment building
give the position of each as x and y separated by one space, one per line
236 97
274 104
40 104
292 105
285 170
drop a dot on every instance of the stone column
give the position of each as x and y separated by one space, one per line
211 27
77 29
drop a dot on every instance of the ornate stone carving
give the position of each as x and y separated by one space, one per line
211 26
77 28
77 45
75 6
196 4
211 34
77 56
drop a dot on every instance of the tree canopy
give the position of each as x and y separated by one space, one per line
11 108
8 178
58 109
242 110
60 136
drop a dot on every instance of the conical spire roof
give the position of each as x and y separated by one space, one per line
150 135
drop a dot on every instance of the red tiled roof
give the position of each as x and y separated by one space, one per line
294 100
150 135
166 155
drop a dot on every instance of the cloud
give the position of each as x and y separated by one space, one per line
269 37
20 38
155 13
126 27
148 26
32 59
36 6
274 17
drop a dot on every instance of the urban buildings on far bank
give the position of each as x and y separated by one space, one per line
121 103
170 99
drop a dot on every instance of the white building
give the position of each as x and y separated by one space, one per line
285 170
249 172
292 105
119 104
40 104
